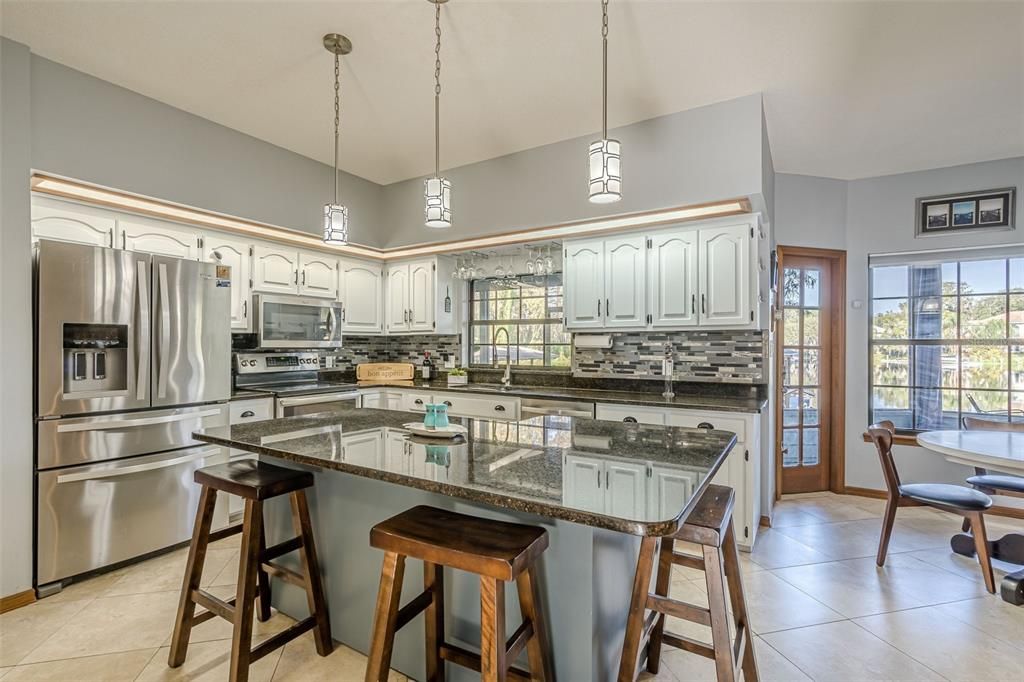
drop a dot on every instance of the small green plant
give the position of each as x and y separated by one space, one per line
457 372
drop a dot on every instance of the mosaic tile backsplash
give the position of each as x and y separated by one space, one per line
708 356
359 349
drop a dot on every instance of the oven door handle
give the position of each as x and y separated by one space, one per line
318 398
131 423
138 468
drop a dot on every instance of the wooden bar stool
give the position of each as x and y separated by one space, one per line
498 552
256 482
710 526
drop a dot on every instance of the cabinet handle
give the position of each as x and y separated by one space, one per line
706 425
303 278
247 413
418 401
296 276
245 308
702 310
499 408
607 307
448 403
693 303
599 307
630 420
606 483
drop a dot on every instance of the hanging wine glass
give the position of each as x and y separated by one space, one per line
529 262
510 273
463 271
549 263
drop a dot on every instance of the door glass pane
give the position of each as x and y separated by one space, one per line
812 284
810 447
790 367
811 327
791 325
791 407
791 288
811 367
790 447
809 405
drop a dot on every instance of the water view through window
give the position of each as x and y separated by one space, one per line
947 339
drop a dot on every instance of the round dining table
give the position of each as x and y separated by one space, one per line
1001 451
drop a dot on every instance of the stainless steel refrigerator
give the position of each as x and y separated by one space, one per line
133 354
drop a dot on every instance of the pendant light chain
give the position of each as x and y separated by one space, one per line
604 69
437 91
337 119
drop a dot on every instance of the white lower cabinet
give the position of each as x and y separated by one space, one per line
626 489
240 412
741 470
581 483
483 407
363 449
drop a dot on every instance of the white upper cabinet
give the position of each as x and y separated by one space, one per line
422 294
275 269
672 279
158 237
67 222
398 298
236 253
318 275
583 283
675 278
625 281
725 275
361 292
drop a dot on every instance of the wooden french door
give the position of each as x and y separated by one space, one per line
805 341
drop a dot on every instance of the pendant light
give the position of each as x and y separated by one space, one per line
437 191
605 165
336 215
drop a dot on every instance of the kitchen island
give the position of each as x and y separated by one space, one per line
596 486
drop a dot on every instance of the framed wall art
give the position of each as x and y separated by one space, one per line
966 212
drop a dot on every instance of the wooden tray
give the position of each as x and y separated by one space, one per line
385 371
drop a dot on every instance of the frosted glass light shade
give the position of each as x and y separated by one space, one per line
605 171
437 193
335 224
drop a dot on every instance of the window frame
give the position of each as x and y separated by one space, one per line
1009 342
546 322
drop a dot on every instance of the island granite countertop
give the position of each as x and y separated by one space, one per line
527 466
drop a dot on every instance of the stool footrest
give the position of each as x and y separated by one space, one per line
686 644
214 606
518 640
413 608
468 659
678 609
281 549
285 574
741 643
282 638
688 560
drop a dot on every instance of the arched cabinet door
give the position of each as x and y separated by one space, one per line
672 276
144 235
625 282
275 269
318 275
362 297
67 222
584 284
725 275
234 253
421 296
398 298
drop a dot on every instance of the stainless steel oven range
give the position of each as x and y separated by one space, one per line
293 379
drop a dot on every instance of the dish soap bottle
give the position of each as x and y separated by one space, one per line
427 369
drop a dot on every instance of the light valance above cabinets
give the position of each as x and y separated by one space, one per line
413 293
699 275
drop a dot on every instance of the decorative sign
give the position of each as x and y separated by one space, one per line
966 212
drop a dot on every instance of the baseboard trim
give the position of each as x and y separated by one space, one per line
16 601
994 510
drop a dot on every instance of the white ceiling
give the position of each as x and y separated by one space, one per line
852 89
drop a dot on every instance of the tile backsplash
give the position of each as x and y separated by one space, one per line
359 349
707 356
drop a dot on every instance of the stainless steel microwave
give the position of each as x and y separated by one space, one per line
294 322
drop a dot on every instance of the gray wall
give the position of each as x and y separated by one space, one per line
704 154
16 316
88 129
873 216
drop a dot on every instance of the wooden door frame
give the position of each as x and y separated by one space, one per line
837 385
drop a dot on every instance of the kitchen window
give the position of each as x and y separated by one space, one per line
947 338
529 308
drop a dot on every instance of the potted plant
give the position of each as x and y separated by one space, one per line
457 377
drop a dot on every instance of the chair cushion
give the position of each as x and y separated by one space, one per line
998 482
956 496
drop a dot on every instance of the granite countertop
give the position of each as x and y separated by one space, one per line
519 466
688 400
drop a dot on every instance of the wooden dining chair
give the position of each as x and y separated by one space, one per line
966 502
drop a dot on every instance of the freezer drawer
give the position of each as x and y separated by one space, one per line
81 440
95 515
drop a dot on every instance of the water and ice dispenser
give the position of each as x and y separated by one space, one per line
95 359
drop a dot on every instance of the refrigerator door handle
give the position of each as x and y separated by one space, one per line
106 425
137 468
165 332
143 349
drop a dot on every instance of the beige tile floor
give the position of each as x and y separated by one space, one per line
819 607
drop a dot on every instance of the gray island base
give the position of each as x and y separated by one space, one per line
556 472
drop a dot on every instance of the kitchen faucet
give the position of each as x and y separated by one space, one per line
506 379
